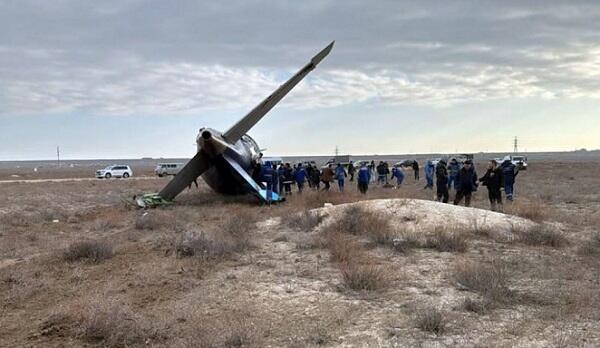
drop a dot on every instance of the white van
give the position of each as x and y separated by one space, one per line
163 169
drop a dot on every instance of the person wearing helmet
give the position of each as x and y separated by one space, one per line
509 173
467 183
441 176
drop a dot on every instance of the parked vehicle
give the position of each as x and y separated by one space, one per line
519 161
405 163
164 169
117 171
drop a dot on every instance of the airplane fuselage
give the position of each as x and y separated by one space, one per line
221 177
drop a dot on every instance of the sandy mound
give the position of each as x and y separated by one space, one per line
422 216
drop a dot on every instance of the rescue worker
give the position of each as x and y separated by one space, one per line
509 174
351 171
327 176
300 177
257 173
441 181
267 178
429 169
467 183
281 177
316 178
381 177
399 175
340 175
372 171
453 168
309 170
493 180
275 179
364 177
288 178
415 167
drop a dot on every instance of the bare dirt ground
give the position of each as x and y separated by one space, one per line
78 267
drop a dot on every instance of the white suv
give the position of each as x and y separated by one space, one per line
118 171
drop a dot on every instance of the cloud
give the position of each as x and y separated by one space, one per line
137 57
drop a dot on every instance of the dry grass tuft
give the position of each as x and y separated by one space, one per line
305 221
343 248
489 280
112 325
367 276
533 210
447 241
358 220
431 320
148 221
406 241
91 251
590 247
232 237
476 306
541 235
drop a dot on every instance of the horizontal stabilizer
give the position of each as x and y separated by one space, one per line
192 170
255 188
252 118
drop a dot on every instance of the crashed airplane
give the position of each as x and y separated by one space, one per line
226 160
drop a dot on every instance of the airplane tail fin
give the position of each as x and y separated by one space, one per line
245 124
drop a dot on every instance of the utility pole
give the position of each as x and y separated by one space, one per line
516 145
58 156
337 151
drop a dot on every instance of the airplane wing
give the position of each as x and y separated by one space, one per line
243 175
246 123
193 169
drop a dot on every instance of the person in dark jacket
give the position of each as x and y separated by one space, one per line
364 177
280 177
509 173
453 168
493 180
315 177
351 170
441 181
381 177
288 178
309 169
300 177
257 173
467 183
415 167
398 174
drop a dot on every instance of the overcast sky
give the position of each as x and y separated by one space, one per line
131 78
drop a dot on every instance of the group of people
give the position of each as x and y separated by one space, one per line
462 177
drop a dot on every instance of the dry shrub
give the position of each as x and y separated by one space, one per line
307 242
489 280
91 251
343 248
591 247
365 276
476 306
233 237
112 324
406 241
431 320
148 221
541 235
305 221
447 241
358 220
533 210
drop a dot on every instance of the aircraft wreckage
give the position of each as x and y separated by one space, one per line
226 160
